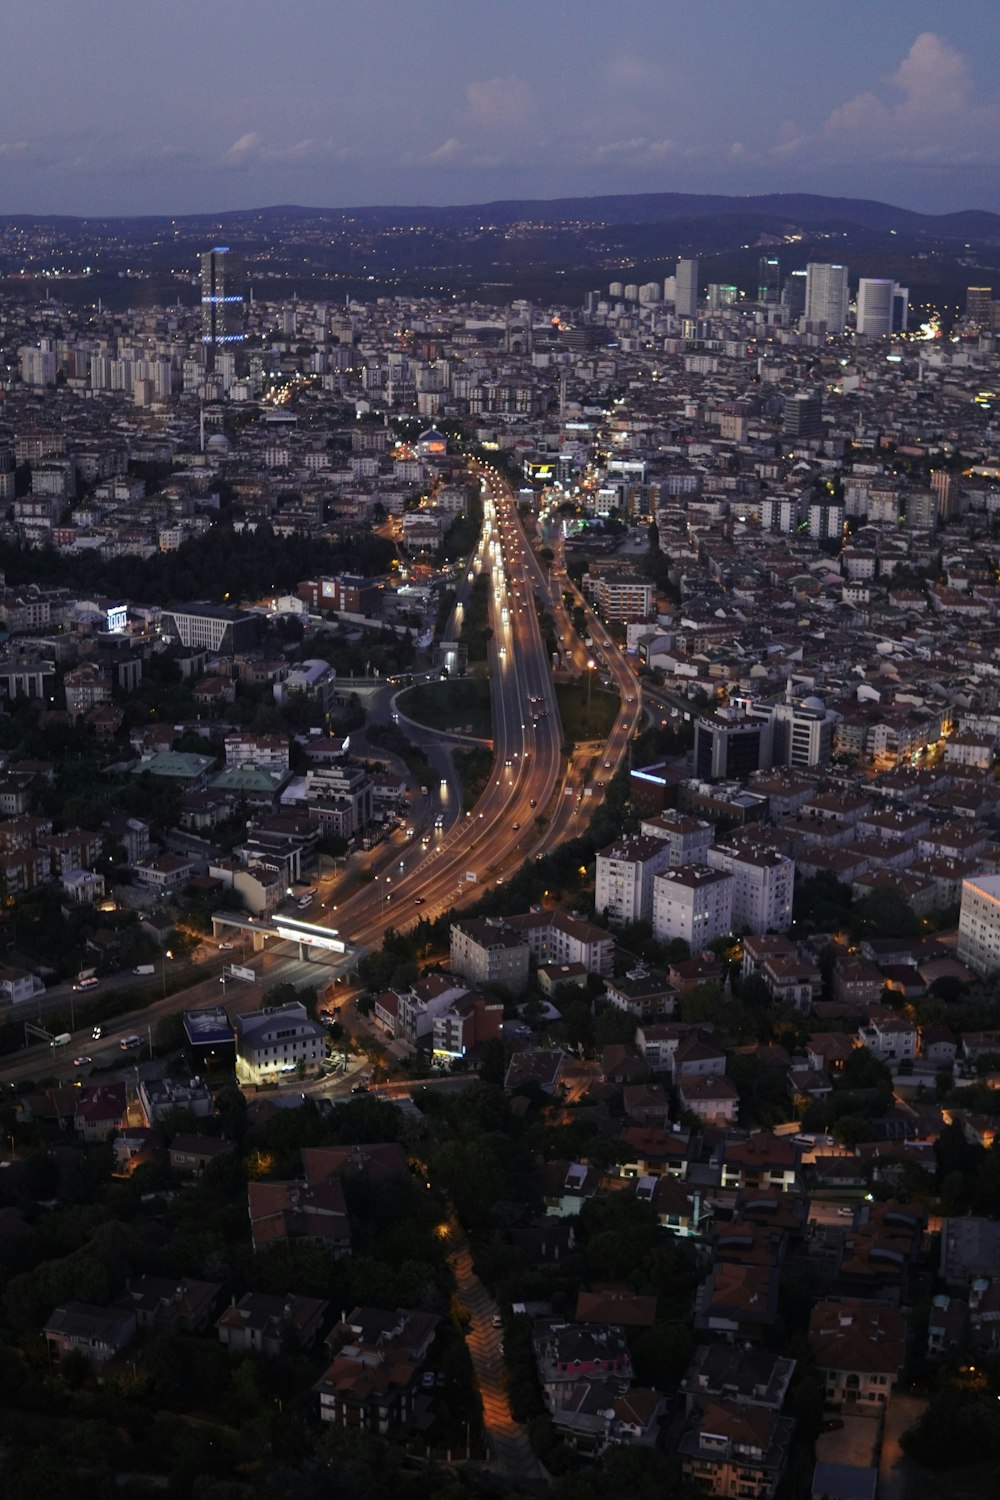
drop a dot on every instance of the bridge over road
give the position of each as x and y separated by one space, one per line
314 943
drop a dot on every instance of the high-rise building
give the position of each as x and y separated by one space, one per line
826 296
721 294
802 416
875 297
221 303
794 295
948 489
978 304
686 288
768 278
883 307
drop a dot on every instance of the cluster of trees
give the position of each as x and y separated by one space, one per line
222 564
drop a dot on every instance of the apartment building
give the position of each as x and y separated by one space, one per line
688 839
558 937
979 924
624 879
485 950
694 903
763 883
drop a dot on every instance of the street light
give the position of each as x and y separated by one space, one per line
590 682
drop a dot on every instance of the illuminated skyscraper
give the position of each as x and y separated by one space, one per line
221 303
826 296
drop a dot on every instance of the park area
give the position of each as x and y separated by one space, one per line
456 706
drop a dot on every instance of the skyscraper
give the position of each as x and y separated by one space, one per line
686 288
768 278
883 307
221 302
978 301
826 295
794 295
875 299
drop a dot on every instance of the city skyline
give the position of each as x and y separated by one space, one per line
383 103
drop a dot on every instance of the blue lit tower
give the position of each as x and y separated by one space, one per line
221 302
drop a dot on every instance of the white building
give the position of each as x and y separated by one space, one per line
826 296
763 881
694 903
624 881
883 307
557 937
270 1043
487 951
688 839
979 924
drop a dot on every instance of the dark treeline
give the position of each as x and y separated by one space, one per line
221 564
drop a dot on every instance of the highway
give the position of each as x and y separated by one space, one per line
493 839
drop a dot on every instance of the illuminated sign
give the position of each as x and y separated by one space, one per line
117 618
304 932
328 588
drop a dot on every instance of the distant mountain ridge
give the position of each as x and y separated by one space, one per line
810 210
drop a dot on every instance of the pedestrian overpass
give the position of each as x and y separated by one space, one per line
314 942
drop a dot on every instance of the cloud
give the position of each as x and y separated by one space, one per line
447 151
244 152
930 111
250 150
637 148
499 104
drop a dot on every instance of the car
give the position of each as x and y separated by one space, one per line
97 1033
225 947
515 826
845 1213
496 1321
418 900
607 765
534 802
82 1062
427 1379
360 1088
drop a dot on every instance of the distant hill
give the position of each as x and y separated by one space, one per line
549 250
650 208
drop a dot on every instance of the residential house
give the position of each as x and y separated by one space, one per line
100 1111
711 1097
176 1304
98 1333
733 1450
748 1374
262 1324
737 1299
645 993
283 1211
859 1348
765 1160
373 1384
191 1154
892 1040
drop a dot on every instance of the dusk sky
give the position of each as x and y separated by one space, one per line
123 106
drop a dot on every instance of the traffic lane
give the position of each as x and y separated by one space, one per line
44 1062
